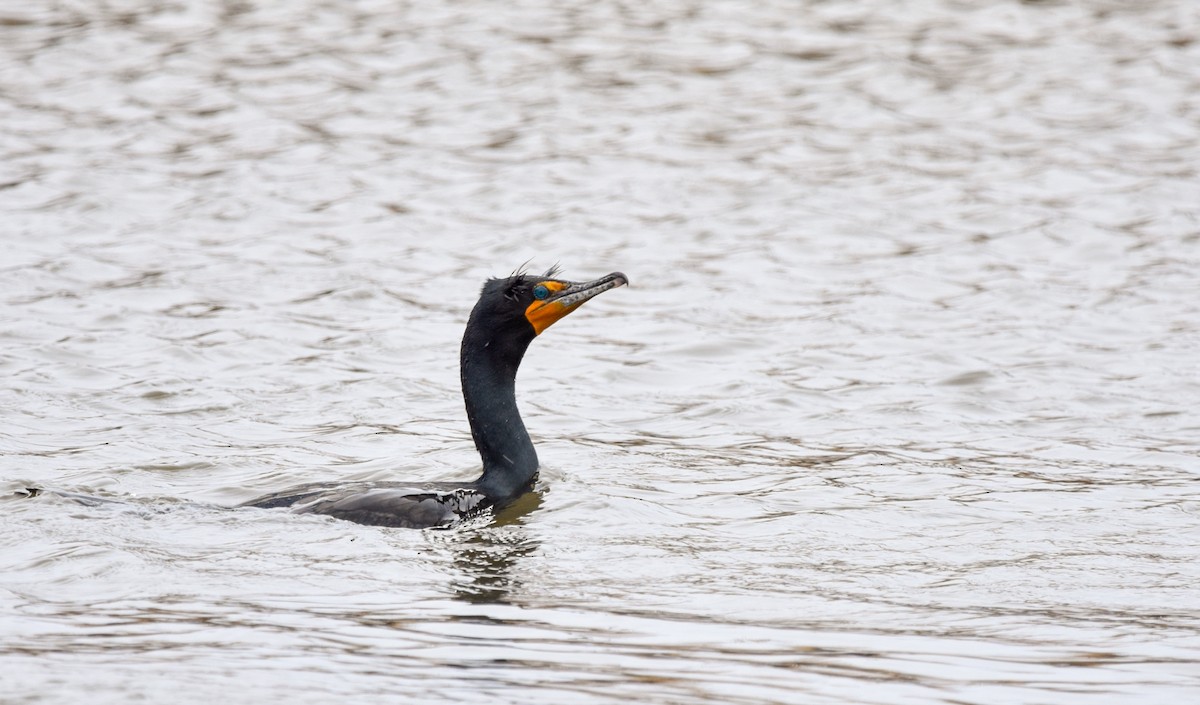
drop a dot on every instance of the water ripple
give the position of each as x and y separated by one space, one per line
899 408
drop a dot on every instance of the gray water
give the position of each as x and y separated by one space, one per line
901 406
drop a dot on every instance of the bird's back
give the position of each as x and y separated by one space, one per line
404 505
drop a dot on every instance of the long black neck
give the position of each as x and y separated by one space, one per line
489 361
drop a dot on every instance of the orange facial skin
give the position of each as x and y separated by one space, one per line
543 314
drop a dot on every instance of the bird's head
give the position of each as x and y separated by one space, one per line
532 303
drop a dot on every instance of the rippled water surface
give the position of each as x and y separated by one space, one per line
901 406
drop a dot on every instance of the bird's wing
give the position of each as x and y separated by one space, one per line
411 508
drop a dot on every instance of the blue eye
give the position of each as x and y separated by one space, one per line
540 292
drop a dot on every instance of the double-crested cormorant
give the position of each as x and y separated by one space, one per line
509 314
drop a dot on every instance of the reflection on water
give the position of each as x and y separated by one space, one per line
489 557
901 407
